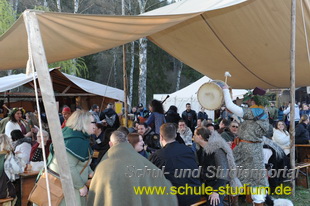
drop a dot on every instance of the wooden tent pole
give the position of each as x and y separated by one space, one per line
46 87
125 75
125 86
292 92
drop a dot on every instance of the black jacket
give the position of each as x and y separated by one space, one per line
210 163
111 117
202 115
151 140
301 134
176 157
172 117
190 119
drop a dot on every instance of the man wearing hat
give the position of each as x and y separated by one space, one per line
66 113
143 113
249 150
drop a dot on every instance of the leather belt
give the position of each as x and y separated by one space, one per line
237 140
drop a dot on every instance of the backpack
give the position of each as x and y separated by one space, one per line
110 120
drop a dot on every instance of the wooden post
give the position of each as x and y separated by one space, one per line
125 75
125 86
292 93
40 63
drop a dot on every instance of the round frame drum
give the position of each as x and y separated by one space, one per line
210 95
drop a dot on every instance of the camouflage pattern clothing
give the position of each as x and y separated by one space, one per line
250 155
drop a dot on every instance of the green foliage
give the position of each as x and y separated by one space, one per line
41 8
76 67
261 100
7 16
271 96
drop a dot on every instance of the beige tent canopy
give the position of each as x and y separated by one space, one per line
250 39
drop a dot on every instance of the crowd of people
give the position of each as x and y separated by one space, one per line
252 137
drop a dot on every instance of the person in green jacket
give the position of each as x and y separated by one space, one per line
76 134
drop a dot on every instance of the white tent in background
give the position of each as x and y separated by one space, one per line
189 95
64 84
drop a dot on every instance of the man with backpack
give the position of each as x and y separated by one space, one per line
109 117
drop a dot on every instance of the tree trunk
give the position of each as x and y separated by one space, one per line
142 61
76 6
132 68
16 6
179 66
142 69
114 66
58 5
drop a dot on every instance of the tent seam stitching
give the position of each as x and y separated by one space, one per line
205 20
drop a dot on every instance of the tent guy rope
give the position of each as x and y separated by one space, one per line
30 69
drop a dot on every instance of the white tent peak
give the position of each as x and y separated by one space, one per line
192 6
189 95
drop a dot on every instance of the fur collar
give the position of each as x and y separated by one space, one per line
216 142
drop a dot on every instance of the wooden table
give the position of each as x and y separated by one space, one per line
27 181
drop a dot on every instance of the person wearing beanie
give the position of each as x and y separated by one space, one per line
66 113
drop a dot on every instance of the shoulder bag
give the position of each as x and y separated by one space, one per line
38 195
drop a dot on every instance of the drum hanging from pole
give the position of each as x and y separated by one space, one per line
210 95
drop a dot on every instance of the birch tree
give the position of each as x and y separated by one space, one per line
142 61
58 5
76 6
132 66
16 6
114 67
178 66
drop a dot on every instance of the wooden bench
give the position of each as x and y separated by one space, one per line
6 200
203 201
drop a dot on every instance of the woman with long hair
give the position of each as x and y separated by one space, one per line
172 115
136 141
16 122
157 117
79 127
281 136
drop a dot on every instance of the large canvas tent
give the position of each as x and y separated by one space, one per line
251 39
188 94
